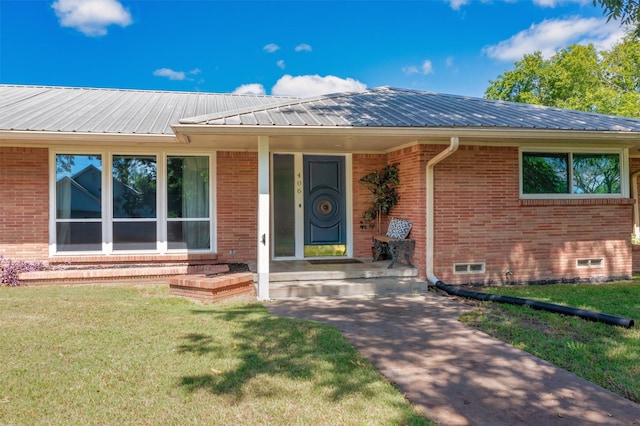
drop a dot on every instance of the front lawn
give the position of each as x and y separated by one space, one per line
603 354
136 355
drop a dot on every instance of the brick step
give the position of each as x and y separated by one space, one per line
206 288
104 273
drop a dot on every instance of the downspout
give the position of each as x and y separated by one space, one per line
453 147
636 208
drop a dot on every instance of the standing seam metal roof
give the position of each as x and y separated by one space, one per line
67 109
390 107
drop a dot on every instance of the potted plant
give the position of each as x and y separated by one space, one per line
382 184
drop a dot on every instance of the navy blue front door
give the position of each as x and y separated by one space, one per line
325 214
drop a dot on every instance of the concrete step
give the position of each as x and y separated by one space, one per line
328 273
383 286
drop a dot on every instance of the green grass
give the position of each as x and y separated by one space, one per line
136 355
603 354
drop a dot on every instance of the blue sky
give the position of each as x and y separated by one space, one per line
301 48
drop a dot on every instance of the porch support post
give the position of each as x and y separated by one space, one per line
263 218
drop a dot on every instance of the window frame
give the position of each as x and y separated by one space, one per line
107 218
624 173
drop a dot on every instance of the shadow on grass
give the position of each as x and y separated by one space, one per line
261 344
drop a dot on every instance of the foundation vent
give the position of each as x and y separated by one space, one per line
469 268
590 263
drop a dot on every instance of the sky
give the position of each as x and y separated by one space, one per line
288 48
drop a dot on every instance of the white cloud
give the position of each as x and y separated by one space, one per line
281 64
449 61
425 68
250 89
456 4
554 3
411 69
303 47
175 75
91 17
553 34
314 85
271 47
170 74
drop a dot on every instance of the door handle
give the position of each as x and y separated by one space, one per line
264 239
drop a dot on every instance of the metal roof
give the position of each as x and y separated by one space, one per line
66 109
117 111
403 108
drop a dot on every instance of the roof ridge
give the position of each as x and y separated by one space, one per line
299 101
118 89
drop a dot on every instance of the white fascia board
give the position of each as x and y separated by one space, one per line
418 132
42 137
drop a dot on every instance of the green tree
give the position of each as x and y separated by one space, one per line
625 11
577 77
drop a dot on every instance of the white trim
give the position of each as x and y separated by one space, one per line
348 175
624 173
417 132
264 218
298 170
53 209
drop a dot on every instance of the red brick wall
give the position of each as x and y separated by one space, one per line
237 205
24 203
480 218
362 165
412 189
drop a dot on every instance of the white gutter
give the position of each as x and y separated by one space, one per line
49 137
453 147
636 208
415 132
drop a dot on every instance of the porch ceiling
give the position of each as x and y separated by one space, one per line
301 143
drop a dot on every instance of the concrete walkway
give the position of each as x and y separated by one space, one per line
458 375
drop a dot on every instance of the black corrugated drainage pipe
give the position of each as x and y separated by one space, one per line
542 306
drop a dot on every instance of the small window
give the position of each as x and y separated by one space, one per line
590 263
576 173
469 268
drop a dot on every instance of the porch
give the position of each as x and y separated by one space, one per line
287 279
337 277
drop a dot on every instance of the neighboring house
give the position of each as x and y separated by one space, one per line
496 191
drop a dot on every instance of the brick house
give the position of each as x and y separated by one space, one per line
496 191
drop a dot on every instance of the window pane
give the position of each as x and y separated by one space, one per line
545 173
78 186
193 235
134 236
79 236
284 202
134 187
188 187
596 173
